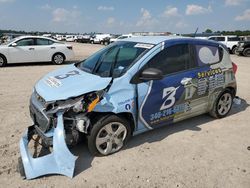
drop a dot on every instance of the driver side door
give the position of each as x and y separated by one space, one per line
164 101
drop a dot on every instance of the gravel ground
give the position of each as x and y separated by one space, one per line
199 152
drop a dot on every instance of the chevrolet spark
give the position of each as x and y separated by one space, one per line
126 88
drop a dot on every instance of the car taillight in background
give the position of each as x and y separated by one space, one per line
235 67
70 47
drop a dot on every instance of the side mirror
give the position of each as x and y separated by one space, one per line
151 74
13 44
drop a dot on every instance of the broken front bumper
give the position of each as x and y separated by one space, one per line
60 161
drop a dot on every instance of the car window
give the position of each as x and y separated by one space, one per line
43 41
173 59
208 54
114 60
122 37
233 39
213 38
25 42
123 56
220 38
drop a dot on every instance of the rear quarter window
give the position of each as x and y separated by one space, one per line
207 55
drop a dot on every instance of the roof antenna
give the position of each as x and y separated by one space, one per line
196 31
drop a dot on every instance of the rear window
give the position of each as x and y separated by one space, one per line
40 41
207 55
233 39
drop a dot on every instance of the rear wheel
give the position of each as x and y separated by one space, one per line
222 105
246 52
3 61
108 135
58 59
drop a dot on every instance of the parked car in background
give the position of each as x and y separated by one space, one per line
129 87
243 48
230 41
97 38
35 49
121 37
105 41
71 38
83 39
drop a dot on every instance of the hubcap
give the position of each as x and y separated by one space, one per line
110 138
224 104
1 61
58 59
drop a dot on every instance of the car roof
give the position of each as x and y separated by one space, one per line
223 36
32 36
168 39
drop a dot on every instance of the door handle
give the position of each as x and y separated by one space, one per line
186 81
52 47
31 48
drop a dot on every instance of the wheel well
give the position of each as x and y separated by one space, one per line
234 47
95 116
3 57
59 53
232 90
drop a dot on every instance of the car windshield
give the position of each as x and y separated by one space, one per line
115 59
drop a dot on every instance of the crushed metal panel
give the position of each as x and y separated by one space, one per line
60 161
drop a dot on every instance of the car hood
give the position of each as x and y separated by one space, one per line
3 46
68 82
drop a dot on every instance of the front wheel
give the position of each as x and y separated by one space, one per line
222 105
108 135
246 52
58 59
3 61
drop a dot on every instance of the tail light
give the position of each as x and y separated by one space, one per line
235 67
70 47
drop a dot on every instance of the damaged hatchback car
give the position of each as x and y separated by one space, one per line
124 89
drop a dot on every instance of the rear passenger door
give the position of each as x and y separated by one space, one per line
182 92
44 49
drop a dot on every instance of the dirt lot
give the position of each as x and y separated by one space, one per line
199 152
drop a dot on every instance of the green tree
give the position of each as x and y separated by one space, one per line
208 31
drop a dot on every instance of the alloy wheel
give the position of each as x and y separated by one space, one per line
110 138
58 59
224 104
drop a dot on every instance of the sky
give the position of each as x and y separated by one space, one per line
124 16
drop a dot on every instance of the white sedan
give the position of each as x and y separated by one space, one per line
35 49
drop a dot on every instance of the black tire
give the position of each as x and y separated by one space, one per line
3 60
246 52
219 105
234 50
58 58
98 129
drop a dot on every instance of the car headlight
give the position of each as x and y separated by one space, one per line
84 103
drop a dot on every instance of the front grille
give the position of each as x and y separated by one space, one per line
37 112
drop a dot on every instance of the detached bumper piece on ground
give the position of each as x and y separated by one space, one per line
60 161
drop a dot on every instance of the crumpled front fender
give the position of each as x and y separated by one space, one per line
60 161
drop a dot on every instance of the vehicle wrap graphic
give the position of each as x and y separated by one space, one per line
171 97
162 101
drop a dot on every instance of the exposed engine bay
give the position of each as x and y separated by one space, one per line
76 112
